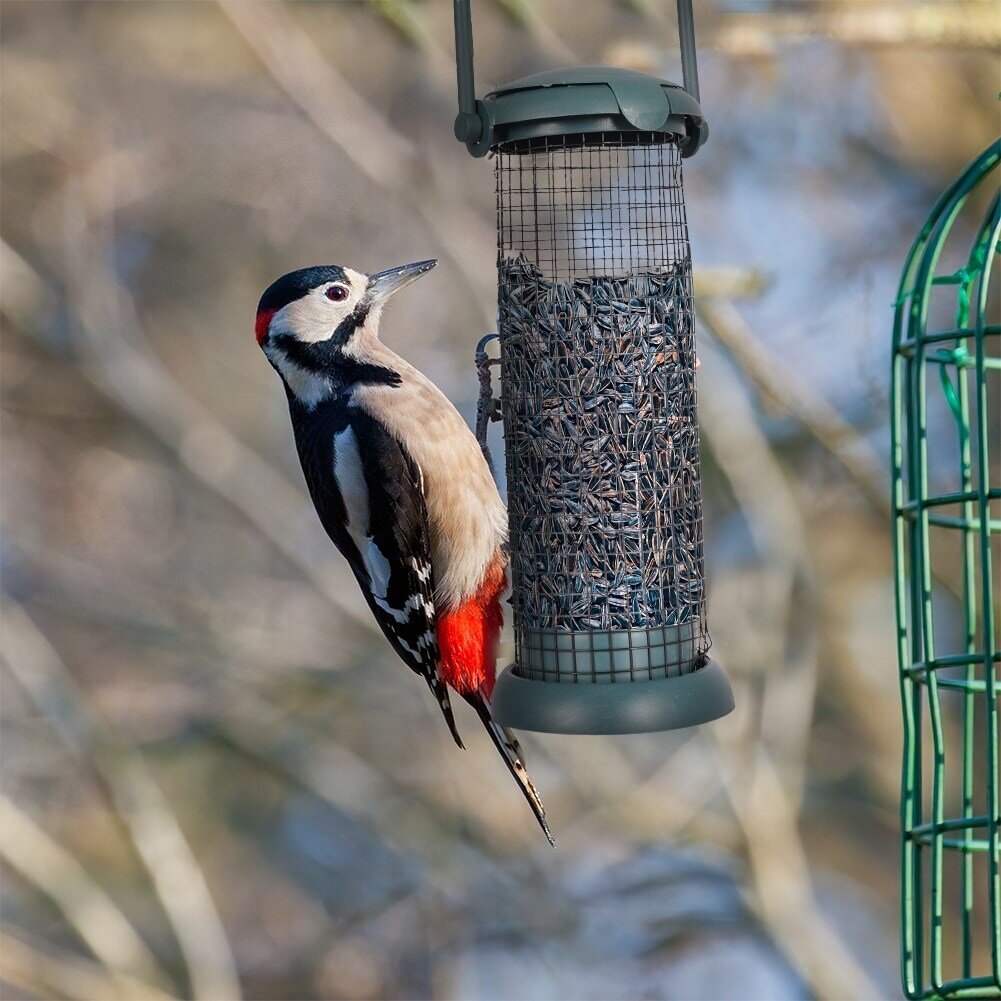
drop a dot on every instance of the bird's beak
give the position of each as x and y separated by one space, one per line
384 284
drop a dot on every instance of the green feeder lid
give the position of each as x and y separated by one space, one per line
583 102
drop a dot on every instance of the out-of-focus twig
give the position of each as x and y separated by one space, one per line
782 387
117 362
158 839
782 881
526 14
60 876
688 780
56 974
388 158
769 503
408 20
338 776
766 799
970 25
723 281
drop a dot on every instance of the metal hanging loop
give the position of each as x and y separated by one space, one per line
468 123
587 99
686 38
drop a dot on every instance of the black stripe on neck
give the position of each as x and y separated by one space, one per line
327 359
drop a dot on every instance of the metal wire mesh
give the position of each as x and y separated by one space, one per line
945 395
598 387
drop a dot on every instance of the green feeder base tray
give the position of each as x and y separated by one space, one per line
621 707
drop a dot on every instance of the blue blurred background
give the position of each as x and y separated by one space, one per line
217 780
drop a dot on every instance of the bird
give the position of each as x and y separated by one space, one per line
399 483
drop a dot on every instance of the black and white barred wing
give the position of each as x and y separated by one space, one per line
387 522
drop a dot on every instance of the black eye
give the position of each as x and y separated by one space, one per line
337 293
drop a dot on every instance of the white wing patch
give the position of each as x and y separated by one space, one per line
378 571
350 476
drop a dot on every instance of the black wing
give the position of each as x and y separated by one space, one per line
371 503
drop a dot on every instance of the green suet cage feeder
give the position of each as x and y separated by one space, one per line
597 343
945 403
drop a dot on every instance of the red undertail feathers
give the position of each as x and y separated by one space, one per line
468 636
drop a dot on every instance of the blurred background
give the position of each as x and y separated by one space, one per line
218 782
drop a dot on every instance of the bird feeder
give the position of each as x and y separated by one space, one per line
944 422
597 342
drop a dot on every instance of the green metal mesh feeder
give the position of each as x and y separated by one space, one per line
945 422
597 338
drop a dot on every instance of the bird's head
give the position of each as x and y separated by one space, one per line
326 307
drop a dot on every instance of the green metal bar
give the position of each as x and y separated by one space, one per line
961 186
972 987
952 660
977 687
989 363
970 624
907 347
922 577
959 497
944 521
910 799
923 970
989 244
969 848
959 824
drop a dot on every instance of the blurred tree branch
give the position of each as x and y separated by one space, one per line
775 719
781 386
782 878
136 798
526 14
370 143
61 877
50 973
970 25
121 366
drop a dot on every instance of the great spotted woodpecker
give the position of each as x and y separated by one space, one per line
399 483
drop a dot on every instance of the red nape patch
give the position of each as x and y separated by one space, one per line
262 323
468 636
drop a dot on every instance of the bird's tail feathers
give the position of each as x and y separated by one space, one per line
440 691
510 750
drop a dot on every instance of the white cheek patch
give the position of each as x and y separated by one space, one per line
313 317
306 320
